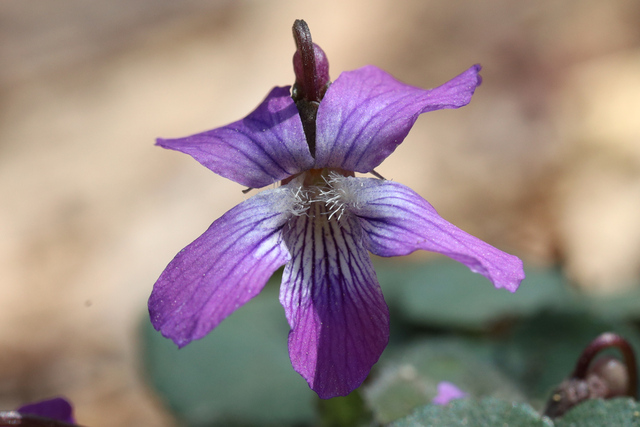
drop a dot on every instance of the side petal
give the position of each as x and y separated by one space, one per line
366 114
222 269
266 146
397 221
333 302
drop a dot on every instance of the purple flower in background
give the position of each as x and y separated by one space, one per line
321 222
447 392
57 408
46 413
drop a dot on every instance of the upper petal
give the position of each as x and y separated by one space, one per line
366 114
397 221
222 269
266 146
333 302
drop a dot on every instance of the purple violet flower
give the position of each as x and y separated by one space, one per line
321 222
57 408
51 412
447 392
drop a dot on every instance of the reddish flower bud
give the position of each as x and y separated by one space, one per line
605 378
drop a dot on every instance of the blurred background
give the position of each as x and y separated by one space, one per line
544 162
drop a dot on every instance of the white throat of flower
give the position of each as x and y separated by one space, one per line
326 192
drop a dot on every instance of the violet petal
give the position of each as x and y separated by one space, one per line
222 269
57 408
333 302
266 146
397 221
366 114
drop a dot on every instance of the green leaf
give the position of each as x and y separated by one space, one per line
492 412
489 412
445 293
598 413
240 374
618 306
407 377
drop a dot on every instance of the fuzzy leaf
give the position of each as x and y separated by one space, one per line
489 412
598 413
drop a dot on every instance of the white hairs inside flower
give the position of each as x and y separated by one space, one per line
300 200
335 195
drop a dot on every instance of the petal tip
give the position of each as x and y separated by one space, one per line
478 68
475 71
330 395
178 337
168 328
180 343
516 277
162 142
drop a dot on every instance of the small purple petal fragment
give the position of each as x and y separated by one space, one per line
333 302
265 147
447 392
366 114
222 269
397 221
57 408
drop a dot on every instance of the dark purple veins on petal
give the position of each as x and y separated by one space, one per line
397 221
265 147
222 269
366 114
333 302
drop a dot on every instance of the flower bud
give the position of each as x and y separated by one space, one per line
321 71
605 378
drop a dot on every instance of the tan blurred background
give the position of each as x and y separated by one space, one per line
544 162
